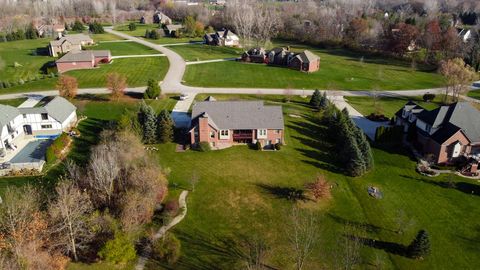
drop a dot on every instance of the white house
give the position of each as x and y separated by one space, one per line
48 119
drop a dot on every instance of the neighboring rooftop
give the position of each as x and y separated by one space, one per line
174 27
240 114
75 39
58 108
83 56
307 56
7 114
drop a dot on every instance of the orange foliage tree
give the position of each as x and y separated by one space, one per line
117 84
67 86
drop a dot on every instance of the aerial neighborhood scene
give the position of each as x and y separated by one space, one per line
239 134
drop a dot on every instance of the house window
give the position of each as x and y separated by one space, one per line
224 134
44 116
46 126
212 134
262 133
277 131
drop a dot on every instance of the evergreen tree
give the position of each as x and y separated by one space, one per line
420 246
324 100
31 32
148 120
165 127
356 165
96 28
316 99
153 89
147 33
78 26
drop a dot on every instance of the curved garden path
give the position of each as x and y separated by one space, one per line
182 202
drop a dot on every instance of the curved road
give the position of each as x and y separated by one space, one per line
172 83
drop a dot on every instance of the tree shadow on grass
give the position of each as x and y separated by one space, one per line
207 251
360 225
287 193
390 247
90 130
92 97
467 188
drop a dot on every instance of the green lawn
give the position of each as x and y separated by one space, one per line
124 48
12 102
141 29
389 105
199 52
339 69
105 37
474 94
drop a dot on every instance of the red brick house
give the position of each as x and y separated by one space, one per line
82 60
305 61
448 133
226 123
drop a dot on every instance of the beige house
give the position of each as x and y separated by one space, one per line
69 43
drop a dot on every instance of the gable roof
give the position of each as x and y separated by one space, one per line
83 56
307 56
461 115
174 27
7 114
240 114
410 106
58 108
75 39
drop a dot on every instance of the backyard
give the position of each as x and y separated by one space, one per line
243 194
339 69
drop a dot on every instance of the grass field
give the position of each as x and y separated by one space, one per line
141 29
339 69
105 37
199 52
474 94
12 102
124 48
389 105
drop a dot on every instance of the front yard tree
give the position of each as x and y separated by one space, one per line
153 89
132 26
165 127
420 246
458 77
68 216
315 100
190 24
148 120
320 188
303 235
117 84
67 86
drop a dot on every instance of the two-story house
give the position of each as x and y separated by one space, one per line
48 119
226 123
69 43
446 133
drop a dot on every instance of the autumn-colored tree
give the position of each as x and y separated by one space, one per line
320 188
401 37
117 84
450 44
458 77
67 86
355 33
432 36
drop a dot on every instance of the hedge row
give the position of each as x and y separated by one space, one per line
8 84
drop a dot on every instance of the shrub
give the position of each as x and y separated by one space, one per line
167 249
21 82
119 250
258 145
132 26
204 147
278 146
77 26
420 246
96 28
428 97
153 89
54 151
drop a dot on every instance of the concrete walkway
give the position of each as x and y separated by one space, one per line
369 127
182 202
210 61
183 43
137 55
180 112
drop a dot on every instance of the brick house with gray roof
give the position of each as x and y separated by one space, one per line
82 60
447 133
226 123
305 61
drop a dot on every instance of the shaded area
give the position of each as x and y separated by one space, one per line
360 225
464 187
390 247
288 193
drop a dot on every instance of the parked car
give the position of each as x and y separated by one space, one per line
184 96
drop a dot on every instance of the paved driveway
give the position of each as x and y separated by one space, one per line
180 114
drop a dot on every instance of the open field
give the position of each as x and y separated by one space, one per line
141 29
123 48
339 69
105 37
200 52
389 105
474 94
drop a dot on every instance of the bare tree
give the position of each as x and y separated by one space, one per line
256 253
194 179
403 222
348 247
116 83
69 218
303 235
266 24
243 15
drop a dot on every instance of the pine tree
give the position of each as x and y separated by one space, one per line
316 99
324 100
420 246
148 120
165 127
363 145
153 89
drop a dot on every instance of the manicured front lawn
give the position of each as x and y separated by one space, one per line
124 48
339 69
142 28
105 37
12 102
389 105
199 52
474 94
